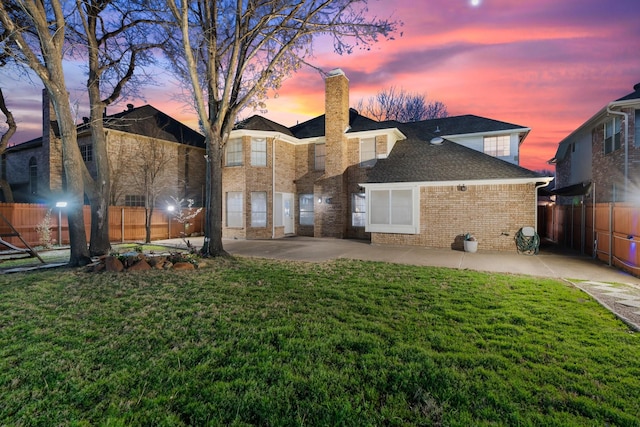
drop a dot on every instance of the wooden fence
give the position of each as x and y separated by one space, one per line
609 232
126 224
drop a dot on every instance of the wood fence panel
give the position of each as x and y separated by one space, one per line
26 217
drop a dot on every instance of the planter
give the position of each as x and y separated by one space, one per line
471 246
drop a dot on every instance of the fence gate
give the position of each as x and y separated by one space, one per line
14 250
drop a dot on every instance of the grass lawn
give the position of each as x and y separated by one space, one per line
257 342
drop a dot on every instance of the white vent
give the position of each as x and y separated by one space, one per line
436 140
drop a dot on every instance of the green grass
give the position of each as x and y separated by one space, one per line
349 343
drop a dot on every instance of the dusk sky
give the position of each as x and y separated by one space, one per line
547 64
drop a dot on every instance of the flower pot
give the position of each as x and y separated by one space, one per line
471 246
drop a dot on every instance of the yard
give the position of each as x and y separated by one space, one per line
255 342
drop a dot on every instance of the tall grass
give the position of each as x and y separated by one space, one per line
256 342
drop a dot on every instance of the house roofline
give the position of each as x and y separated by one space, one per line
524 131
532 180
392 132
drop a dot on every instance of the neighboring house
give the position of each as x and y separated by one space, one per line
343 175
152 157
601 159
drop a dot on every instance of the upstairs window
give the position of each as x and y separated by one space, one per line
320 154
234 152
612 139
258 152
497 146
87 152
637 126
367 152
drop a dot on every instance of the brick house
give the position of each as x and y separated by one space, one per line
600 160
138 141
343 175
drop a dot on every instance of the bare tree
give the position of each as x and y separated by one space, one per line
34 33
4 142
116 35
152 175
402 106
232 53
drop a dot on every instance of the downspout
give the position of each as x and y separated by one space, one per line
273 187
626 147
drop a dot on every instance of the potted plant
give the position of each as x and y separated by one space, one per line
470 243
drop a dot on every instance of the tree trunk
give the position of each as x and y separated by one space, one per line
6 191
73 168
148 213
213 217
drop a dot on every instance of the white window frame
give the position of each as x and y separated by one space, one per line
497 146
234 211
612 135
259 209
234 152
397 218
358 210
320 155
306 201
86 151
367 152
258 151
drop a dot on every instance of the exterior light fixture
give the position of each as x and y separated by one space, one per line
462 187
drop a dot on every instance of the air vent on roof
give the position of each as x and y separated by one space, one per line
436 140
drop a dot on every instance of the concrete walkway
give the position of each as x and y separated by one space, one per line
616 290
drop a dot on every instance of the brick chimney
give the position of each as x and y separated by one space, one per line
51 145
330 191
336 121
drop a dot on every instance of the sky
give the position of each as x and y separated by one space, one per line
548 65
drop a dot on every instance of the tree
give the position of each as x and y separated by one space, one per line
35 34
232 53
402 106
116 36
4 141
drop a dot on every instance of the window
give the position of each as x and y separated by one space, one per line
359 210
234 209
234 152
87 152
33 176
612 135
258 209
134 200
306 209
320 154
393 211
497 146
258 152
637 126
367 152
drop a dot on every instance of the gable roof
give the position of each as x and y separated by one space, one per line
464 124
262 123
415 159
145 120
151 122
357 123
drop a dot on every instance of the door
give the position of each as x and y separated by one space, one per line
288 216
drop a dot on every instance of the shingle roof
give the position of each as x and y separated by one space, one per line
149 121
315 127
467 123
262 123
415 159
633 95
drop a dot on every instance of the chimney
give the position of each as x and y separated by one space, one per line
52 145
336 121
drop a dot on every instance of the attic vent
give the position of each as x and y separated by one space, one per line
436 140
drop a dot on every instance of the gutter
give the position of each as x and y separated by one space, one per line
626 144
544 184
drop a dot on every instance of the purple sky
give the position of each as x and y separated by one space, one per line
547 64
